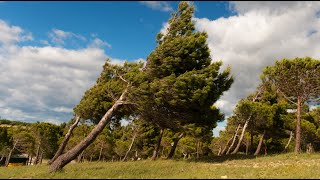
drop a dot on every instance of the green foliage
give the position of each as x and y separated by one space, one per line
295 77
109 86
10 122
48 135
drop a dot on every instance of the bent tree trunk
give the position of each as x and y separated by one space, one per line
219 150
174 146
241 137
225 148
156 151
10 153
286 147
234 140
65 141
298 128
133 138
259 145
70 155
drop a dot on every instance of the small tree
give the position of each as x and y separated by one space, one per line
298 81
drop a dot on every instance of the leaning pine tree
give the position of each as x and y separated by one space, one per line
178 86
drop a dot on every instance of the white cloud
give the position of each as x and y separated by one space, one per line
12 34
58 37
62 109
44 83
158 5
259 34
98 43
164 29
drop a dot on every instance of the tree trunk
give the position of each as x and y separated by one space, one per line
30 162
219 151
259 145
156 151
65 141
174 146
100 153
135 156
251 141
241 137
10 153
41 156
2 157
225 148
247 146
198 147
298 128
132 141
80 157
286 147
65 158
234 139
265 147
37 154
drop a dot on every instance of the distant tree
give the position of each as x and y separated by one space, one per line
298 81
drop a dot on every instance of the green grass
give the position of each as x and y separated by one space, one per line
277 166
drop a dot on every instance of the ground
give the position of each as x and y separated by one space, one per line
240 166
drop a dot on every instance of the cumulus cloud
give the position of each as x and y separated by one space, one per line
158 5
12 34
259 34
44 83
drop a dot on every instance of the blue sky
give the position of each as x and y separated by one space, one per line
129 27
51 52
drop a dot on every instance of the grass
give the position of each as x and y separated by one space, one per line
240 166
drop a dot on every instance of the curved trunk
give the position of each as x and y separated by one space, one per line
156 151
241 137
286 147
225 148
10 153
234 140
133 138
65 141
174 146
298 128
219 151
2 157
67 157
259 145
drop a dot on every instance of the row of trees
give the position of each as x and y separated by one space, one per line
37 140
278 112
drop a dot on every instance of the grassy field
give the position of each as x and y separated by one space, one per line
277 166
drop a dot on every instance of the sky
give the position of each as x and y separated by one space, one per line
52 52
